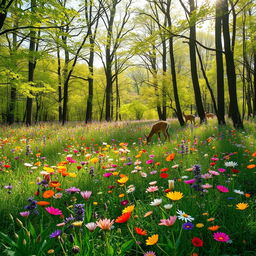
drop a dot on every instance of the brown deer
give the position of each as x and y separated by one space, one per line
157 128
190 118
209 115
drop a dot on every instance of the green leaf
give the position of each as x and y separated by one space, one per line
127 246
8 240
110 250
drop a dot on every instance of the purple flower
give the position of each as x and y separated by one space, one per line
72 190
187 225
56 233
25 214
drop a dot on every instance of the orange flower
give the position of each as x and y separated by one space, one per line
54 184
48 194
157 163
211 219
247 195
124 217
254 154
140 231
43 203
148 214
170 157
251 166
214 228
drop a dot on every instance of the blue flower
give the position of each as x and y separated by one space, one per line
188 225
56 233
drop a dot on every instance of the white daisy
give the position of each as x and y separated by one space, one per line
239 192
168 206
183 216
231 164
156 202
152 183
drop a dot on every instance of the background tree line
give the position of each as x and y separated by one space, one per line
117 59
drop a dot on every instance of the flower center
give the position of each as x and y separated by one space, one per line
184 215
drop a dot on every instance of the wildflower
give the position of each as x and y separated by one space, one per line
238 192
213 228
175 195
222 188
124 202
48 194
124 217
221 170
152 240
188 226
56 233
197 242
149 253
206 186
105 224
221 237
25 214
148 214
143 175
152 189
129 208
164 175
156 202
241 206
86 194
170 157
152 183
107 174
150 161
53 211
51 251
77 223
75 249
91 226
42 203
79 212
183 216
190 181
210 219
140 231
231 164
168 222
123 180
57 196
214 173
199 225
171 184
130 189
72 190
168 206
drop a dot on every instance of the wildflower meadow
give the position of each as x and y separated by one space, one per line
100 189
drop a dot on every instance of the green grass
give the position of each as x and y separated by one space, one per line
48 145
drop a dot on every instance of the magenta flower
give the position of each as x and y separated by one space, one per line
124 202
168 222
221 237
107 174
190 181
86 194
53 211
71 160
214 173
150 161
222 188
72 190
221 170
214 159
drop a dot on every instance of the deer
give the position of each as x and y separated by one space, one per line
161 126
209 115
190 118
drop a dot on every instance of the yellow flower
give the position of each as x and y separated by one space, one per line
199 225
51 251
77 223
241 206
72 174
48 169
95 203
115 173
129 208
174 195
94 160
152 240
123 180
121 195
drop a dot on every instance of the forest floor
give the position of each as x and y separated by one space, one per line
98 189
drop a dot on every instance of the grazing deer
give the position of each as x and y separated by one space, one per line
190 118
159 127
209 115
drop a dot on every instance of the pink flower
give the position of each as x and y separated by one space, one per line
91 226
222 188
214 159
53 211
107 174
105 224
70 159
25 214
221 237
86 194
190 181
150 161
206 186
168 222
152 189
214 173
221 170
206 176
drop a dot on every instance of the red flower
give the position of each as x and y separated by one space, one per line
212 164
197 242
167 190
7 166
78 167
140 231
235 171
124 217
164 170
164 175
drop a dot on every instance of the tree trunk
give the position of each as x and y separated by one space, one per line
230 67
219 66
254 74
31 68
59 85
164 63
193 66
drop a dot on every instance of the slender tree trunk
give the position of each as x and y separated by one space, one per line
164 63
254 74
193 66
219 66
230 67
59 85
31 68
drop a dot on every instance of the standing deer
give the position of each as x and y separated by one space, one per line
190 118
209 115
157 128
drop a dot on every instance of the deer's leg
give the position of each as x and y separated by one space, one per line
168 135
159 135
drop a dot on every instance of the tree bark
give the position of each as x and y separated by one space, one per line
230 67
219 65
